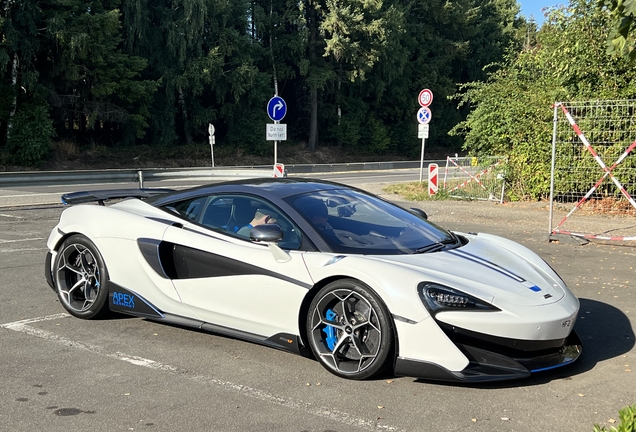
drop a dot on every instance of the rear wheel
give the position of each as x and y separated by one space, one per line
349 330
81 278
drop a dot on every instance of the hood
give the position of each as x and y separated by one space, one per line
487 269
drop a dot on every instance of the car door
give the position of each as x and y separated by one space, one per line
230 281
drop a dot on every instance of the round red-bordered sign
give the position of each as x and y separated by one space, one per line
424 115
425 98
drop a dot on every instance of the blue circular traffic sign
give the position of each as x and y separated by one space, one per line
276 108
424 115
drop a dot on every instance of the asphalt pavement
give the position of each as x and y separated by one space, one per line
60 373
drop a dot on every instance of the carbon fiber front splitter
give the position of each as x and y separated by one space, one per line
488 366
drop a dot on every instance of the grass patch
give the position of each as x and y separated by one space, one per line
415 191
627 421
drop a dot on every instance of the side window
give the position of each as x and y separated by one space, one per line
190 209
236 215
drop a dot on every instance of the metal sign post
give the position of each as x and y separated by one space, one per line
276 110
275 149
422 159
424 114
422 132
211 133
423 117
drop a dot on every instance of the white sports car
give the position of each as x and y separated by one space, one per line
318 268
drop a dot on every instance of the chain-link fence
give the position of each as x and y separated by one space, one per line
593 169
480 178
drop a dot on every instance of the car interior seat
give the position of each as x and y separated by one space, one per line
242 214
217 215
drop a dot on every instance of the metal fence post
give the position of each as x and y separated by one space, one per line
553 165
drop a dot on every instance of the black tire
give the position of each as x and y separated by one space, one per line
349 330
81 278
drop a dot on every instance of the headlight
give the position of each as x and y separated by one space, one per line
438 297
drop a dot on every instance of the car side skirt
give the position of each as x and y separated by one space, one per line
128 302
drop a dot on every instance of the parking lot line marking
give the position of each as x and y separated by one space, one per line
30 195
22 250
10 216
20 240
34 320
309 408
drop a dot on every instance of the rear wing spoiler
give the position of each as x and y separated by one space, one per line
104 195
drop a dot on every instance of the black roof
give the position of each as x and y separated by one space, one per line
269 188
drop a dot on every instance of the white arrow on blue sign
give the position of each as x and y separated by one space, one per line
424 115
276 108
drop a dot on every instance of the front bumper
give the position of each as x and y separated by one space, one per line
487 365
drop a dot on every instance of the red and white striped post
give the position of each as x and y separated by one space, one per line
433 170
279 170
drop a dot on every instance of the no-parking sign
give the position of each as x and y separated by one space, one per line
424 115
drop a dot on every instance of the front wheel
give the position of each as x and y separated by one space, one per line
349 330
81 278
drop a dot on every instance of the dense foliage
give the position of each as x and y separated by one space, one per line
622 35
512 111
156 72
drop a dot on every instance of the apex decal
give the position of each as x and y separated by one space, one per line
125 300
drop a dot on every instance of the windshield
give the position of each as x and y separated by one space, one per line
353 222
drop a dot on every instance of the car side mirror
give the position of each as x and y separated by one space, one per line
266 233
419 212
270 234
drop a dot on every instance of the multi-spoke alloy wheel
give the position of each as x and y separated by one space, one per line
81 278
349 330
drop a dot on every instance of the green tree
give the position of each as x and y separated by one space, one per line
623 26
201 52
441 44
19 46
351 69
345 39
511 113
318 52
66 55
94 85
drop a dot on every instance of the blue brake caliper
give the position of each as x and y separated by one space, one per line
330 331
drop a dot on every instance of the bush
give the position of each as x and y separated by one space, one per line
30 139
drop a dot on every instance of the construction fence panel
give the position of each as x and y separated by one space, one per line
479 178
594 170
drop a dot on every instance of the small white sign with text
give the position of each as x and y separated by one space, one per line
422 130
276 132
